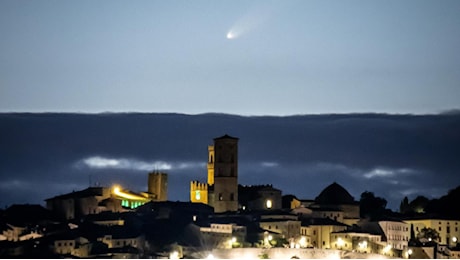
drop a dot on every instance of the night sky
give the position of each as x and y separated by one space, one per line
44 155
365 93
286 57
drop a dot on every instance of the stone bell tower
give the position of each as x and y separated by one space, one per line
223 162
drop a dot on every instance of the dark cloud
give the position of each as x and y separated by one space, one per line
42 155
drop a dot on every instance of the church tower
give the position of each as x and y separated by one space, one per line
211 157
223 162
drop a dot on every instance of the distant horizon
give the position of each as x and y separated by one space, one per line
443 112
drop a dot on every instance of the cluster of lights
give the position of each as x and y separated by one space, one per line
386 249
362 245
267 239
232 241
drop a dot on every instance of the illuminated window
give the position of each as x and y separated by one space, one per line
197 195
220 197
268 203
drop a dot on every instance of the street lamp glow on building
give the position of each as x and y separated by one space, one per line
362 245
340 242
386 249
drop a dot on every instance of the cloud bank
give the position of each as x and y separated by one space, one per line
98 162
390 155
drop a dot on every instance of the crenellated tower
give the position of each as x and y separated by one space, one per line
198 192
221 190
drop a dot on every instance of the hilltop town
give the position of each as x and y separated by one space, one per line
227 219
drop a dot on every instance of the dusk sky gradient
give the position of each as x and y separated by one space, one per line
395 63
290 57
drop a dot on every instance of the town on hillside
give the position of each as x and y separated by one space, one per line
226 219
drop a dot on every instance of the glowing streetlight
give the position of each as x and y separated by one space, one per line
340 242
454 239
409 253
174 255
386 249
270 237
303 241
362 245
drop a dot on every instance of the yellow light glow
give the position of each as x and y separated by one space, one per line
117 191
340 242
386 249
362 245
174 255
269 204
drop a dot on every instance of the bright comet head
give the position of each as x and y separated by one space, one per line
230 35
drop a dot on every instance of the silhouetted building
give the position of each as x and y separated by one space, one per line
158 186
334 198
257 197
79 203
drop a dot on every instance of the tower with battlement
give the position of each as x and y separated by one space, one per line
221 190
199 192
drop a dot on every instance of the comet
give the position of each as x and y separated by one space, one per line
247 23
230 35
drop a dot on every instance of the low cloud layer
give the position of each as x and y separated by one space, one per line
44 155
98 162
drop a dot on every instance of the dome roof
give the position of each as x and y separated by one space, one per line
334 194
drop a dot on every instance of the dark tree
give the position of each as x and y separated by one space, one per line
404 206
419 204
428 234
371 206
446 205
